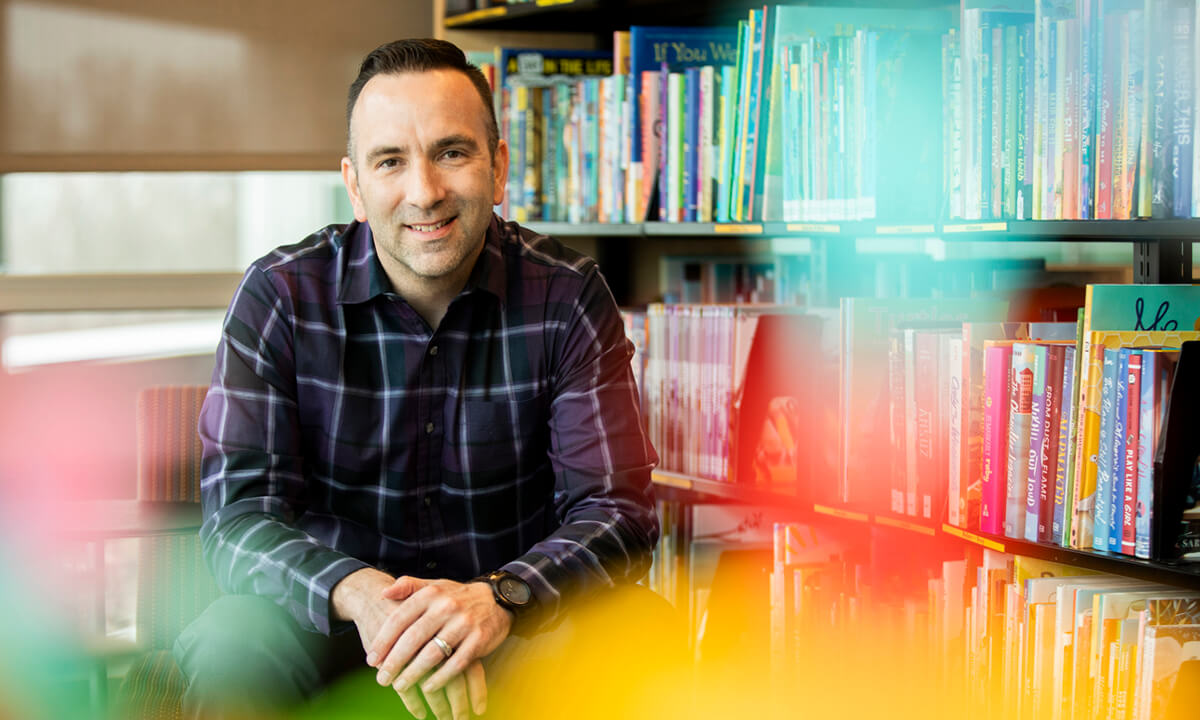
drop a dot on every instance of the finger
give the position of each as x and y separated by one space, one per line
455 665
477 687
394 645
413 701
456 695
403 587
425 661
439 705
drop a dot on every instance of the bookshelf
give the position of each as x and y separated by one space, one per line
1161 253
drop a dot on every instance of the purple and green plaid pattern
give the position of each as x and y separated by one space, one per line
341 431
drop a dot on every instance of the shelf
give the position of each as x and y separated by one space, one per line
1187 576
1122 231
699 490
541 15
564 229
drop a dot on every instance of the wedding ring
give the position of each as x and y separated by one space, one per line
443 646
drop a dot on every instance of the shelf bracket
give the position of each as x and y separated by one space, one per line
1165 260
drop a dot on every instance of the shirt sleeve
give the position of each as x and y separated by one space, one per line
602 461
253 486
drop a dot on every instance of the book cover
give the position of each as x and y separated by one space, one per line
1102 515
1020 408
1061 491
1183 105
1117 445
1037 434
994 450
679 48
1149 422
1117 307
1133 397
1047 462
863 390
974 337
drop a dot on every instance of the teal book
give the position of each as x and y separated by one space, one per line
901 53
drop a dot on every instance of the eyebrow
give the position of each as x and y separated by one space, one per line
449 141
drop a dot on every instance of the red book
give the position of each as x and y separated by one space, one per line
997 363
1132 418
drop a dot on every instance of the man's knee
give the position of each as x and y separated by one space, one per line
245 650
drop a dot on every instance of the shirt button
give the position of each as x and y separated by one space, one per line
428 501
433 350
428 428
431 564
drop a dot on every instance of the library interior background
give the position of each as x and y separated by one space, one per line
909 289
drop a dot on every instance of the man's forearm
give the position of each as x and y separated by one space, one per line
355 590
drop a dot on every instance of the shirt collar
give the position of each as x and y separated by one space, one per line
363 277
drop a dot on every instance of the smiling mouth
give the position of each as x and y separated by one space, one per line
431 227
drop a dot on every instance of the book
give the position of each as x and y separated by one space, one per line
994 455
864 403
1020 411
650 47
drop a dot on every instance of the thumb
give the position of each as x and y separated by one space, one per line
403 587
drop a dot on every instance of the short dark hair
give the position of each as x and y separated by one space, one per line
421 55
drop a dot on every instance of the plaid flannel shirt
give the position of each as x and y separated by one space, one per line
342 432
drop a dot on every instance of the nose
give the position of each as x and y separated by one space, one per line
424 187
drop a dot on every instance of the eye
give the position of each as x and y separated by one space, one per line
453 155
388 163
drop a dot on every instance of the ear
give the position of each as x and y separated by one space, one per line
350 180
499 172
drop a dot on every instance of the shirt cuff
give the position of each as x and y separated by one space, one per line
321 612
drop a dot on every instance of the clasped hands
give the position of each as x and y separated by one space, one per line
397 621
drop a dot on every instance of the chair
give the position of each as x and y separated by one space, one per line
174 584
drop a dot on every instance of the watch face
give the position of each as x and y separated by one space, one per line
514 590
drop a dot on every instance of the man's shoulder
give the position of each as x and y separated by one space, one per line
542 253
318 249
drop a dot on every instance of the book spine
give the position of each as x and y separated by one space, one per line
912 430
674 167
982 163
1020 407
727 137
927 379
1147 440
1059 56
1058 525
1011 126
1051 442
706 154
996 155
1087 447
1183 106
1160 95
1088 39
1136 150
1033 450
1103 503
994 458
1075 403
1117 463
1070 118
1132 410
1121 190
1041 113
690 182
956 505
1025 65
896 426
1104 115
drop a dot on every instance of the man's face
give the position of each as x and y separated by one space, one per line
422 175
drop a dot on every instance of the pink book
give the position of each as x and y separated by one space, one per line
1132 418
997 361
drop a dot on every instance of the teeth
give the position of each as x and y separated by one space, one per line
429 228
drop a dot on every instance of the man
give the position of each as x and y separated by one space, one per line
422 425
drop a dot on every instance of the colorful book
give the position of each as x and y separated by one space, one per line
994 451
